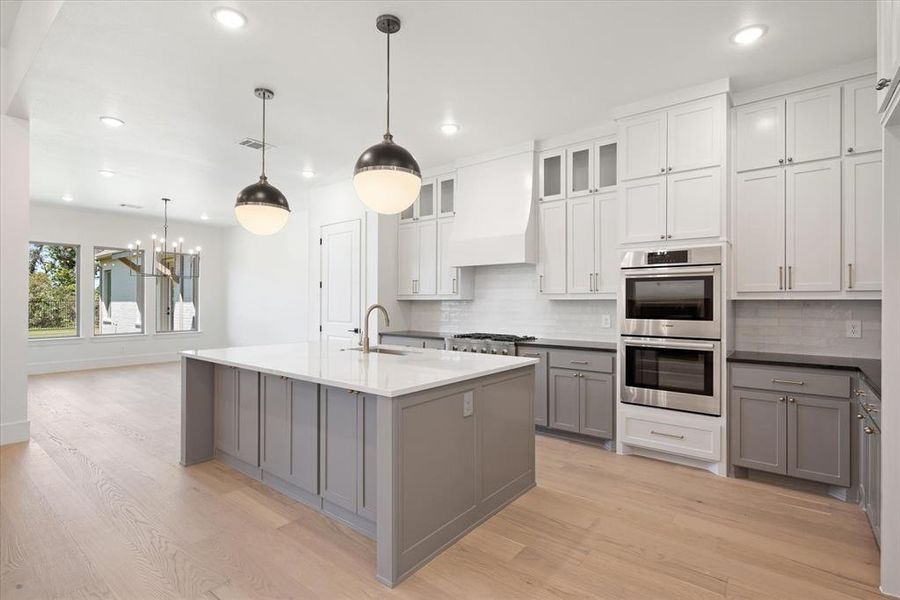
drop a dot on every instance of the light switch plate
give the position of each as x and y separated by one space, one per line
854 329
605 321
468 404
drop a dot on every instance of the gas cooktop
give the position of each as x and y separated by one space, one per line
496 337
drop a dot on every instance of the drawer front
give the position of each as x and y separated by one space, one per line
801 381
400 340
695 441
580 360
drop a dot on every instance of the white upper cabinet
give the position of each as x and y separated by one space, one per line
581 245
407 258
862 222
580 170
642 213
887 51
447 275
862 131
427 199
813 226
642 142
695 135
693 204
427 279
813 125
606 238
552 248
552 175
446 188
604 165
760 135
759 231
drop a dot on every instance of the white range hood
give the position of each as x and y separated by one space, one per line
495 215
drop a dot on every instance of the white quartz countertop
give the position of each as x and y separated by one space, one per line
390 375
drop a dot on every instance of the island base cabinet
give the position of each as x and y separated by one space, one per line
236 398
289 445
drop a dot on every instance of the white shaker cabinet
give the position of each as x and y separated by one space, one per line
642 214
447 275
552 175
862 131
813 125
407 258
426 282
552 248
760 135
446 191
862 222
695 139
887 51
759 231
424 206
606 240
642 146
579 170
580 245
692 204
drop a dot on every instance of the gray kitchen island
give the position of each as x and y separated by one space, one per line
412 447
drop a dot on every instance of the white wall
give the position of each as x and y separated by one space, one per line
13 279
267 282
507 301
95 228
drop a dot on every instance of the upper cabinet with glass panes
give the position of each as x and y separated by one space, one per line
577 170
446 189
436 199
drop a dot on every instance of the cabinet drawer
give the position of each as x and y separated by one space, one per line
693 440
581 360
792 380
400 340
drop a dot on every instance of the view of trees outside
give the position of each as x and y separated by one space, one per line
52 290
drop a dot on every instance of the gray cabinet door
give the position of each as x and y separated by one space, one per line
819 439
304 435
367 408
872 475
862 455
597 405
275 445
339 453
541 408
225 393
565 405
758 430
248 416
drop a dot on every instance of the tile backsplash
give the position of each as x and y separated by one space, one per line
507 301
807 327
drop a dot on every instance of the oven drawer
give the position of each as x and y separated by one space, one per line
791 380
580 360
675 436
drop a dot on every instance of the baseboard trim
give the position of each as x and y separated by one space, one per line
84 364
13 433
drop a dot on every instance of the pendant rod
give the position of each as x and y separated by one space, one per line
263 175
388 117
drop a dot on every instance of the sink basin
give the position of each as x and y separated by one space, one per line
379 350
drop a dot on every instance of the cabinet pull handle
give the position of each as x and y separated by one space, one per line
780 161
541 283
790 159
780 278
454 285
591 281
662 169
531 354
791 400
868 430
849 150
669 169
790 277
859 416
662 237
781 398
849 276
578 362
787 381
882 83
668 435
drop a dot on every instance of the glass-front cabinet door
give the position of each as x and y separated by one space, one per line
604 166
552 175
409 214
446 186
580 170
427 200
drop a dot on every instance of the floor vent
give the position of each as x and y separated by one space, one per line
254 144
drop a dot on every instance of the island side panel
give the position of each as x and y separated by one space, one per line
197 408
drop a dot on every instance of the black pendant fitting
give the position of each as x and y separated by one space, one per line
388 24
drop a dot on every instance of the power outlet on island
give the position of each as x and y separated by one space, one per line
854 329
468 404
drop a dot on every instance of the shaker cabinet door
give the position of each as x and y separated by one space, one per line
813 125
275 409
758 430
695 135
304 448
407 258
760 135
248 416
447 278
862 130
598 413
565 391
606 235
759 231
642 214
580 244
862 222
693 200
225 393
540 383
552 248
819 439
642 146
426 283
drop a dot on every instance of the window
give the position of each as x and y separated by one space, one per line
176 292
52 290
118 292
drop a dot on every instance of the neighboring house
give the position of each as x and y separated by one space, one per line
119 290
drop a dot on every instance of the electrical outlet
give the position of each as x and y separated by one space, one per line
854 329
468 404
605 321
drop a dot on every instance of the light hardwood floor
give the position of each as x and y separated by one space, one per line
96 505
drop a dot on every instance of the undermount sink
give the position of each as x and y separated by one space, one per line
378 350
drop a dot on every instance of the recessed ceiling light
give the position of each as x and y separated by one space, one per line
111 121
106 173
308 173
449 128
67 197
229 18
204 217
749 34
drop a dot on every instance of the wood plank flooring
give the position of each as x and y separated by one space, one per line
97 506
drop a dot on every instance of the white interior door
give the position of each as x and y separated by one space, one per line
862 222
759 231
340 284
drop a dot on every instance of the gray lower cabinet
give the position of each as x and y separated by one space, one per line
582 402
818 439
565 398
759 430
289 446
541 408
870 460
237 412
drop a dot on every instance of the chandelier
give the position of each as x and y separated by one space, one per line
176 264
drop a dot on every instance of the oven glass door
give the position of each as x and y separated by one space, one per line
672 298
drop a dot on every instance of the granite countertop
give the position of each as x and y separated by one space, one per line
870 368
391 375
603 345
414 333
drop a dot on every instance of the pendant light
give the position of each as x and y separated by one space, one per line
261 208
387 177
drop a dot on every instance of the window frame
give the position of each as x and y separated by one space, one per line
78 334
196 299
140 293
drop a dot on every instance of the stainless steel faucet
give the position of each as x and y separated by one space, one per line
364 336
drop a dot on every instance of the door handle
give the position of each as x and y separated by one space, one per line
354 330
882 83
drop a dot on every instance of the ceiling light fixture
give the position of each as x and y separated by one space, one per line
175 265
748 35
308 173
449 128
387 178
229 18
106 173
204 217
67 197
111 121
261 208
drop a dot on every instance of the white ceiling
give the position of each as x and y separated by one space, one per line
506 72
9 9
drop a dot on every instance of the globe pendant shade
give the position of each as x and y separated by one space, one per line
387 178
261 208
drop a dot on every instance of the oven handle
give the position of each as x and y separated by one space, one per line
648 343
669 271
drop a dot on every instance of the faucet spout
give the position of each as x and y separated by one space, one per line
364 335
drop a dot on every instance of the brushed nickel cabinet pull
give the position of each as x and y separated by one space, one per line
578 362
791 400
849 276
780 278
787 381
868 430
455 286
790 277
668 435
781 399
541 283
531 354
591 281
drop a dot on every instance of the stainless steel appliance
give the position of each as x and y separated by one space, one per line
670 373
485 343
675 293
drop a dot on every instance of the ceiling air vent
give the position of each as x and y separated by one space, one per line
134 206
254 144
